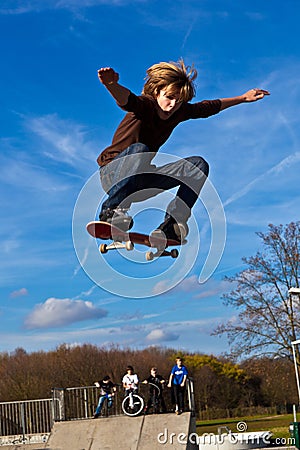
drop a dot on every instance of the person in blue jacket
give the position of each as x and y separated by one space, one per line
177 382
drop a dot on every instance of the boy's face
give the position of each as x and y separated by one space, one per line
168 103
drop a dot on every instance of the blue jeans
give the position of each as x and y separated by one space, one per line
131 177
102 400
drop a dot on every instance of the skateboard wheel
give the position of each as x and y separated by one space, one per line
103 248
129 245
149 256
174 253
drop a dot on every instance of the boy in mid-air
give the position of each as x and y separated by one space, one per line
126 169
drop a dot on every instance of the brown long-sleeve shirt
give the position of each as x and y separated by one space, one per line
143 124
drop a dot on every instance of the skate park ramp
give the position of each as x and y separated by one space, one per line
121 433
150 432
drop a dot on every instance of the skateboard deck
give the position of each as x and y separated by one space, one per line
126 239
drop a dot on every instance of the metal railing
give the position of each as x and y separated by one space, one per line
26 417
81 402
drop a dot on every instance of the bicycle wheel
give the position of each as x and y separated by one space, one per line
136 408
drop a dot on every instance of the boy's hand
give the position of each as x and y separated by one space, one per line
107 76
255 94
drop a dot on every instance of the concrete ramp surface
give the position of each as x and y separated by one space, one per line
151 432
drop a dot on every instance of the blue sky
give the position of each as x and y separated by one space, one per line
56 118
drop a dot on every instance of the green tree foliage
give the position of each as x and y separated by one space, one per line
268 317
219 382
222 368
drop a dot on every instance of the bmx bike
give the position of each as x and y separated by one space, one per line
155 399
133 404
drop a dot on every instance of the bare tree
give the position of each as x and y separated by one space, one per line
268 318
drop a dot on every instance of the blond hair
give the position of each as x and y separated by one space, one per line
171 76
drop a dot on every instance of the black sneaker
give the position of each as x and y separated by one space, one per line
170 229
117 217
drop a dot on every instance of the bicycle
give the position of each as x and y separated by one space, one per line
132 404
155 401
155 398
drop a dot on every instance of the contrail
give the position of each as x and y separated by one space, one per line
286 162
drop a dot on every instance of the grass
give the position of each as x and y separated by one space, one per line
278 425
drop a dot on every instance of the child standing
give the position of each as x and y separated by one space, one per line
177 382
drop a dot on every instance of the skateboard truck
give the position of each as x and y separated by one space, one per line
116 245
173 253
160 243
128 245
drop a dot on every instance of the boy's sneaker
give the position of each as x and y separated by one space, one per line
117 217
170 229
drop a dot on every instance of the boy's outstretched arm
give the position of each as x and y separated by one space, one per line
109 78
250 96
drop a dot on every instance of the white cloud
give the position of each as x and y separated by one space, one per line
60 312
15 7
161 286
8 246
29 176
186 285
160 335
67 139
191 284
19 293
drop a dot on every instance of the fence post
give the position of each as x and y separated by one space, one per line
58 404
191 396
85 403
22 406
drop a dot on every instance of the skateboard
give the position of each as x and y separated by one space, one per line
126 240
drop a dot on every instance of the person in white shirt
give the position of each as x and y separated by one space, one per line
130 381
